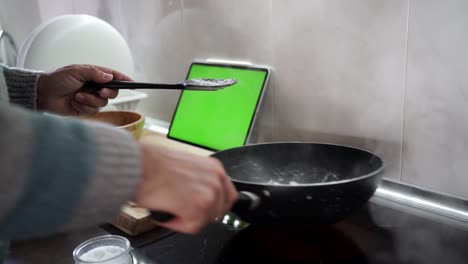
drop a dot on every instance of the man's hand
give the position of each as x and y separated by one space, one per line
59 91
195 189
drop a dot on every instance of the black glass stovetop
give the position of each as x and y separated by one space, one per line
375 234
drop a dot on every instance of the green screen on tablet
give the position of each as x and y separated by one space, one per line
221 119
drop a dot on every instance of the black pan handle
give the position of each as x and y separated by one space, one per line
161 217
246 201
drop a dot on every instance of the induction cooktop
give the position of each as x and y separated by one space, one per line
378 233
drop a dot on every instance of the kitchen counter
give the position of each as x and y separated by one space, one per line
379 233
389 229
55 249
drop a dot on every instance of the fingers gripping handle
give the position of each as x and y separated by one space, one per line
246 201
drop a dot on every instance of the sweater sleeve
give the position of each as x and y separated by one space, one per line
61 173
21 86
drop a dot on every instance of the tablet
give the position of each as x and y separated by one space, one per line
222 119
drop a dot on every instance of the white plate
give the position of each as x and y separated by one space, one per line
71 39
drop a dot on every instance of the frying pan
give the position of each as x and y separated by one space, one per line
299 182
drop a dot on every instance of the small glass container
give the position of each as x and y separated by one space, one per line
107 249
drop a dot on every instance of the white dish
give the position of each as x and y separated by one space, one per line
72 39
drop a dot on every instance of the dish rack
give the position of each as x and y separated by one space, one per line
127 100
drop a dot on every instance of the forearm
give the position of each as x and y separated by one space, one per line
60 174
21 86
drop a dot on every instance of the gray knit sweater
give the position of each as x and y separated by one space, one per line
57 173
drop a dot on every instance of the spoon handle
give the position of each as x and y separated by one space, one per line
131 85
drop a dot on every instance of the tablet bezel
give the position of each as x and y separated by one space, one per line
257 106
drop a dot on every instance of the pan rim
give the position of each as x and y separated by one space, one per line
365 176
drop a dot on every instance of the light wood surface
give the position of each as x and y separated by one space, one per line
159 139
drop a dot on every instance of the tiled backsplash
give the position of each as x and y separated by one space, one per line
435 141
382 75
